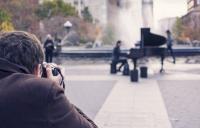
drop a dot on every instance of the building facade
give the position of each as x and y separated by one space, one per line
191 4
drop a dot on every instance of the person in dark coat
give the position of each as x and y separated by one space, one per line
169 45
116 56
26 99
49 48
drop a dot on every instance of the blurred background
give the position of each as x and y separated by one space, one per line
99 23
85 31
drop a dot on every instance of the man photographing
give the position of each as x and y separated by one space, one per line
26 99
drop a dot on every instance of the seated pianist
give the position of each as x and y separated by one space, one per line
116 56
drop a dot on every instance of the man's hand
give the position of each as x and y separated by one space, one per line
57 79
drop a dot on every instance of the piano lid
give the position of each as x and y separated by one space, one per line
149 39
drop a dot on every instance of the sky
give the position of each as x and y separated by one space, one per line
169 8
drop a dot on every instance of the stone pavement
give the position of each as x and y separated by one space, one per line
129 105
134 105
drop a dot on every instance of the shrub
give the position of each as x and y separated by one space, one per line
5 21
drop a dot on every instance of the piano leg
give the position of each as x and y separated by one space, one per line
135 63
134 72
162 64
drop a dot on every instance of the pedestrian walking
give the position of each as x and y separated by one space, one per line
169 45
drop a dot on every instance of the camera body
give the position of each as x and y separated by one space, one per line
55 71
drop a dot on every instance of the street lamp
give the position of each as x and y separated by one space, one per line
68 25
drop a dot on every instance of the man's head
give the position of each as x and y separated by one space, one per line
49 37
119 43
21 48
168 32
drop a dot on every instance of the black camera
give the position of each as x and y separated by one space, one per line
55 72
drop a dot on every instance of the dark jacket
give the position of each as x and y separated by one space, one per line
116 53
49 45
169 40
30 102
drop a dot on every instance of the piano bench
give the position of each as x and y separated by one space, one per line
134 75
113 68
143 72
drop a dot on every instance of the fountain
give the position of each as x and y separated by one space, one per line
147 13
127 17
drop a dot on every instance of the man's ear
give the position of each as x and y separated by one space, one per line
37 71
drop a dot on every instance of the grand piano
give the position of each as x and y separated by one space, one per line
150 45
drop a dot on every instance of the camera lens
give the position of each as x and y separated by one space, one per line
55 71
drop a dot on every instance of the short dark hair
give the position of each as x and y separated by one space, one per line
21 48
168 31
118 42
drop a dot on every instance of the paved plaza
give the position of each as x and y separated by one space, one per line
168 100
